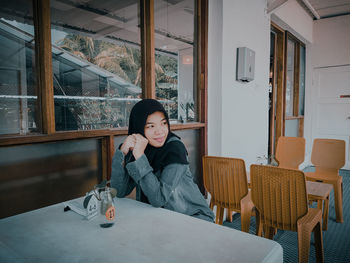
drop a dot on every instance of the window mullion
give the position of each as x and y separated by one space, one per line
43 58
296 79
147 49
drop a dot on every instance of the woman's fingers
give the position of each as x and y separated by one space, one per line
140 145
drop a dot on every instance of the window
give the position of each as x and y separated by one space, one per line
287 86
97 67
294 87
174 46
18 95
96 63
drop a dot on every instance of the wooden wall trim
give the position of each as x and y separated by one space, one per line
107 156
43 63
201 31
280 84
273 101
147 49
9 140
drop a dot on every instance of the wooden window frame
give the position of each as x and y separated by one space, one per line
296 84
279 78
43 56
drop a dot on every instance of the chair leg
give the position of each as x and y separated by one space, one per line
211 205
338 201
245 218
259 226
229 215
325 214
219 215
318 243
304 238
269 232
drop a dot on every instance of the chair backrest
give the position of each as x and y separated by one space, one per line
279 194
328 154
226 180
290 152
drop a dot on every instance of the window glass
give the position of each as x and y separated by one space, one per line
96 63
18 96
174 58
302 81
292 128
290 77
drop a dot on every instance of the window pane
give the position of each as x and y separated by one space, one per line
302 81
290 78
174 57
18 97
96 63
292 128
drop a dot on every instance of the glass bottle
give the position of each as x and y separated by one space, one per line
107 209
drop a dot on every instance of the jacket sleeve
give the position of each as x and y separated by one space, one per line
120 179
158 191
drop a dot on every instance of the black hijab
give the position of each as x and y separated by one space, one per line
171 152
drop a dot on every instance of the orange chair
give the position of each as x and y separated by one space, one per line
328 156
290 152
281 202
226 181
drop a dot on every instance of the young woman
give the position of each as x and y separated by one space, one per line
154 160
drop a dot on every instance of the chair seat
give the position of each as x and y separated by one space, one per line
322 176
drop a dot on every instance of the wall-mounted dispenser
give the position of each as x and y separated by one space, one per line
245 64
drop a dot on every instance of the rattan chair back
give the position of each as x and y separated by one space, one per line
226 180
290 152
279 195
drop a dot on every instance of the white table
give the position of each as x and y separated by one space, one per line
140 234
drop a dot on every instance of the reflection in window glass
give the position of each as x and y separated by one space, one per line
96 63
302 81
290 78
18 98
174 57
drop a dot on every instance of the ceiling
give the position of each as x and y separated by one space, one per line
318 9
330 8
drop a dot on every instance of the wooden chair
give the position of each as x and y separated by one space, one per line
280 198
290 152
328 156
226 181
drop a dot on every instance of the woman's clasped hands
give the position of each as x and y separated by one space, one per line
135 143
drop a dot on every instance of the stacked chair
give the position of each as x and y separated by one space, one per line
328 156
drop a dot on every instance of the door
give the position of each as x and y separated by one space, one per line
331 105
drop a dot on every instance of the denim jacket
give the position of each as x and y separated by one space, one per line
172 188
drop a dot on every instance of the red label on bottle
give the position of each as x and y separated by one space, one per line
110 213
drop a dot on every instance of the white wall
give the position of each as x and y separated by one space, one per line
241 130
292 17
331 45
330 70
214 76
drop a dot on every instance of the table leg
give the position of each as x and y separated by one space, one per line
325 213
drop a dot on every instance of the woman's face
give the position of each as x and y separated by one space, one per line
156 129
